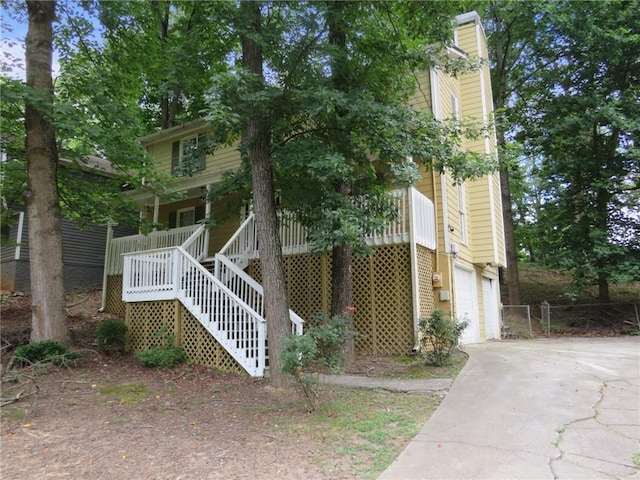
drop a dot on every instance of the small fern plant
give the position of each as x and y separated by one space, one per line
162 356
47 351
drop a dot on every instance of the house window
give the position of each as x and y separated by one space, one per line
462 212
186 217
183 217
455 111
188 155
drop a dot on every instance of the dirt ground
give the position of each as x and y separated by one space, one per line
110 418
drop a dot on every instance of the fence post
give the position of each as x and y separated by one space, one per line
545 311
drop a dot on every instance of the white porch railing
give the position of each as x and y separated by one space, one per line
423 219
171 273
151 241
416 213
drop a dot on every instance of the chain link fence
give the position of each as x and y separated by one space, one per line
516 321
580 319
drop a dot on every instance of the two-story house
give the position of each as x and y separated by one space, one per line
443 250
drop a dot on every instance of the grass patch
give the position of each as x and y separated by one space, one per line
367 428
132 393
12 414
415 367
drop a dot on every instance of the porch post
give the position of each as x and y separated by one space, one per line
106 267
156 209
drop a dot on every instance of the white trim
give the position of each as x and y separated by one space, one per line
445 213
435 94
415 279
19 234
494 226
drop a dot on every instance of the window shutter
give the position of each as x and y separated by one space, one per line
175 157
200 213
173 219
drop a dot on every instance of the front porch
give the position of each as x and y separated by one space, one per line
390 288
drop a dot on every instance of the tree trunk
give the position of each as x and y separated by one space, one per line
341 274
342 297
500 75
48 318
257 143
513 275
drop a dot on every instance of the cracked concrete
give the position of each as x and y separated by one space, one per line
536 409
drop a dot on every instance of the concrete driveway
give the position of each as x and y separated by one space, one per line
535 409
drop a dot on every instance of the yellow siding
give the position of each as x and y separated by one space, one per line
221 160
421 99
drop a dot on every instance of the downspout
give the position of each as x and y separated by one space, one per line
105 270
19 234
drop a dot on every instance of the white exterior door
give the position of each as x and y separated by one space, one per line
466 304
491 310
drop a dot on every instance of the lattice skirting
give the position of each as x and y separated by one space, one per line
114 303
382 294
145 319
425 281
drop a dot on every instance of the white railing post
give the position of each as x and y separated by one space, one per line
176 274
262 348
126 277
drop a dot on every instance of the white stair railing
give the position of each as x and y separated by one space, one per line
172 273
243 244
247 289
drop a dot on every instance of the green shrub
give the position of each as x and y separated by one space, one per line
319 345
111 336
298 353
162 356
44 352
441 334
329 335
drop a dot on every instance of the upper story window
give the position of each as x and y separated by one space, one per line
188 155
462 213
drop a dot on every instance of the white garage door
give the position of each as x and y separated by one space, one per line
466 304
491 310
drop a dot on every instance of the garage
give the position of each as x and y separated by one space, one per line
466 304
491 312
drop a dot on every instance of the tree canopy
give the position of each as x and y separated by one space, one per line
572 103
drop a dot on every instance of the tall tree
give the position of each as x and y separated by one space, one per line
583 120
49 320
509 31
256 140
163 53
